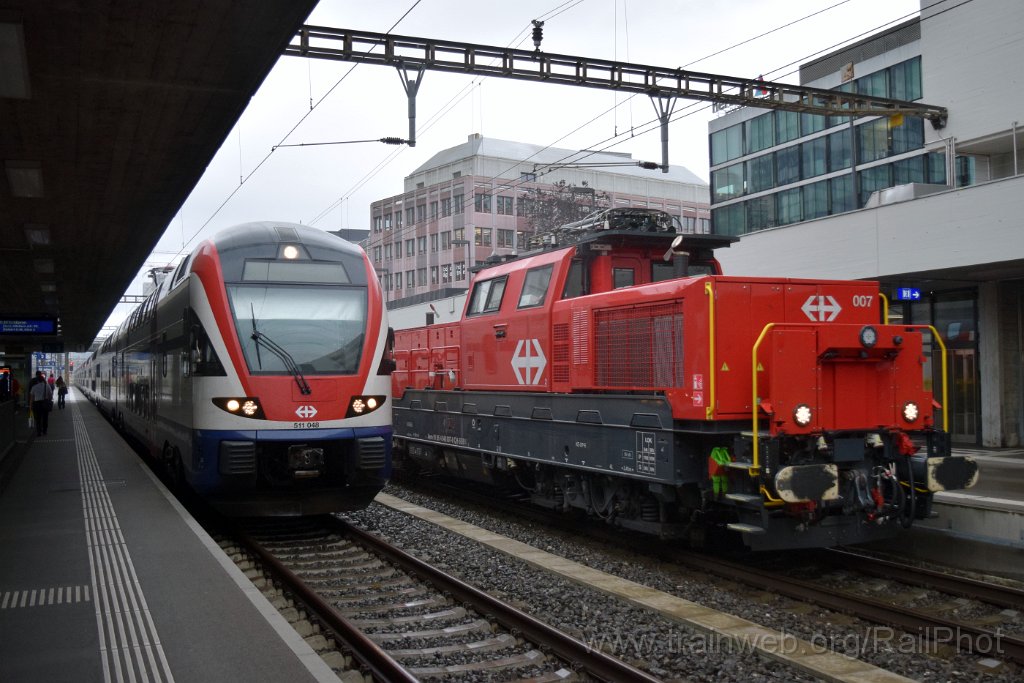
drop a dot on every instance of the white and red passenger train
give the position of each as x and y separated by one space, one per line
620 373
257 373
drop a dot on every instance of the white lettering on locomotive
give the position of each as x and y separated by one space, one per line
528 357
821 309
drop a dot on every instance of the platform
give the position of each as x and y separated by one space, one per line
104 577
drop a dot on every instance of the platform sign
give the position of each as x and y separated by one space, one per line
908 294
28 326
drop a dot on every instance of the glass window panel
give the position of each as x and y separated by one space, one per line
759 133
787 165
908 136
727 183
790 206
812 123
761 213
761 173
726 144
840 153
937 168
787 126
873 140
815 198
813 157
905 80
909 171
877 178
729 220
841 194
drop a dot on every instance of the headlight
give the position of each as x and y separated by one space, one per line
802 415
364 405
910 411
868 336
245 406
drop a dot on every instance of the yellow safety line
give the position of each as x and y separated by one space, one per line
709 409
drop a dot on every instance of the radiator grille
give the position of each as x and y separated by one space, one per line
372 454
640 346
237 457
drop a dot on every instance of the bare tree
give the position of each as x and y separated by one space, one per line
550 208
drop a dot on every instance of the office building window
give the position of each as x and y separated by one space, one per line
760 133
727 183
482 203
410 279
908 136
457 202
446 206
761 213
433 242
873 140
398 219
433 275
760 173
433 211
937 168
875 85
398 281
421 242
446 240
387 221
421 213
421 277
483 237
410 247
840 152
871 179
387 251
446 273
815 198
908 171
504 205
790 206
840 192
812 123
460 271
905 80
376 254
377 223
527 177
410 215
787 126
726 144
787 165
505 238
813 157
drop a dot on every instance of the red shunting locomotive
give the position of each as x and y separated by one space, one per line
617 371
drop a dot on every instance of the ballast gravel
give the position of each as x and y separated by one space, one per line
641 637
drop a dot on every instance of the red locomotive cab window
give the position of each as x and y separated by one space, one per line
535 287
624 277
486 297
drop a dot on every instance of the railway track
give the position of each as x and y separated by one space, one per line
929 626
402 619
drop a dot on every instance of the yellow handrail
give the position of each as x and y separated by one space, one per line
709 409
885 308
756 466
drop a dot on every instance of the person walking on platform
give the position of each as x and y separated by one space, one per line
62 391
41 397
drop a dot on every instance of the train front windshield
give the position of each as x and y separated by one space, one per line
320 329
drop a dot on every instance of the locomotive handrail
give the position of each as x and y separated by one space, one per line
885 308
709 291
756 462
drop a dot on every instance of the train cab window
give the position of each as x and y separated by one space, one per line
535 287
661 271
623 277
486 297
575 280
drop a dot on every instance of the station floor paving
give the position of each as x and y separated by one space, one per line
105 577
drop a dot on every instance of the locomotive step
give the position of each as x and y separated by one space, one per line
739 464
745 498
745 528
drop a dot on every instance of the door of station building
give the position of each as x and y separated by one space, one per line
954 316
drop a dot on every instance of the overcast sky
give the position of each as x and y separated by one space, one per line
332 186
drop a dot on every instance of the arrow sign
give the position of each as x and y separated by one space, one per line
527 358
821 309
305 412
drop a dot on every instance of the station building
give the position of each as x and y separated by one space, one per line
935 215
467 203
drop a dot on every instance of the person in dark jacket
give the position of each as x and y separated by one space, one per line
62 391
41 397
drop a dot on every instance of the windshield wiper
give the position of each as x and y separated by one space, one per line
286 358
